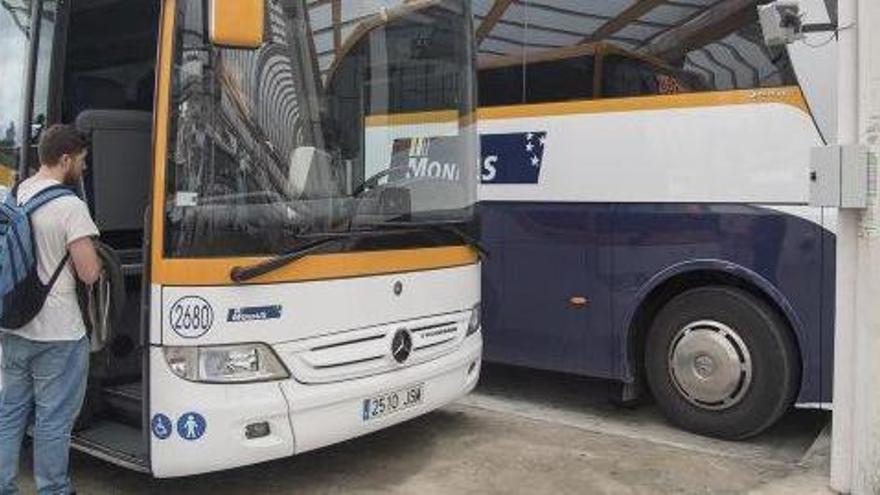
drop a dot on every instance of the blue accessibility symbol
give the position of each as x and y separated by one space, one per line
191 426
161 426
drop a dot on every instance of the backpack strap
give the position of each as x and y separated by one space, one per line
58 271
40 199
45 196
13 194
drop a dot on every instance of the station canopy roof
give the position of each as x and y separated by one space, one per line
673 30
676 31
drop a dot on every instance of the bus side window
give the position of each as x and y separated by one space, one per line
500 86
572 80
628 77
622 77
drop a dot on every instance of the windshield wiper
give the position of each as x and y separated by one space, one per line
241 274
451 228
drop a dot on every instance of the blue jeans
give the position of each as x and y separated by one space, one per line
46 381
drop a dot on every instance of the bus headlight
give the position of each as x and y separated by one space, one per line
476 321
226 364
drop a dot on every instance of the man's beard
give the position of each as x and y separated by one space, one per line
71 178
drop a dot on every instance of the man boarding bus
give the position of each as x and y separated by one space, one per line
268 290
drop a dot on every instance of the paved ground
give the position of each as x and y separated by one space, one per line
522 432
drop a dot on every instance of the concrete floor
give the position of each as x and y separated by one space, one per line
521 432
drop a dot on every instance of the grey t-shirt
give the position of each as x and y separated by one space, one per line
56 225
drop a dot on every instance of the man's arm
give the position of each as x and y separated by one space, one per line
85 260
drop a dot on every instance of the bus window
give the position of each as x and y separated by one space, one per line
14 25
624 76
501 86
667 50
502 83
100 75
259 140
574 78
43 81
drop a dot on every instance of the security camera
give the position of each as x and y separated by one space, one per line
781 22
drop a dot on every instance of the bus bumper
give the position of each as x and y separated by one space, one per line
300 417
329 413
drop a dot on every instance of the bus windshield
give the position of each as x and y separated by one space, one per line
345 119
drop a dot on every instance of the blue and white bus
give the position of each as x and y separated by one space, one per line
644 201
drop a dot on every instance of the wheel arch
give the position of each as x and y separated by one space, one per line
674 280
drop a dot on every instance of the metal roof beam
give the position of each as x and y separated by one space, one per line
714 24
336 9
495 14
626 17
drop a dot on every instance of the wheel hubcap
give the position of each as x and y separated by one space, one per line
710 365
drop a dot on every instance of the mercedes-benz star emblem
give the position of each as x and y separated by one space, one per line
401 346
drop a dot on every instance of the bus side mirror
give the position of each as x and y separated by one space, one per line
238 23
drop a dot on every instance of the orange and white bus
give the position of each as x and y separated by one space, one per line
267 293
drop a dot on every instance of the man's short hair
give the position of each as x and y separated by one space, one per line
60 140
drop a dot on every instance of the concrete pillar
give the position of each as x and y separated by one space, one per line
846 261
856 441
866 412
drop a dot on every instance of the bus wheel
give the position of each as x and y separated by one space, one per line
721 362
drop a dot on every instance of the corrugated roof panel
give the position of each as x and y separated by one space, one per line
627 45
603 8
496 46
321 16
576 23
509 32
325 61
670 14
723 76
362 8
757 56
481 7
324 42
698 3
536 38
745 75
638 31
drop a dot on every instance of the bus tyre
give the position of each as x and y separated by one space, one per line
721 362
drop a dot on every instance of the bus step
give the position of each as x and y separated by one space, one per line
114 442
125 402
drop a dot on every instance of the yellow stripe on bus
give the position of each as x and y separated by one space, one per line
413 118
787 96
215 271
160 133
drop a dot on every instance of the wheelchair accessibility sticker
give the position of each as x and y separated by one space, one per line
191 426
161 426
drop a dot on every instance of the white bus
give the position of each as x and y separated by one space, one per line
644 199
265 293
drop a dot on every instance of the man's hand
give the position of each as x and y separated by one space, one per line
85 260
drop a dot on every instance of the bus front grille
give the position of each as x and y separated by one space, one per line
368 351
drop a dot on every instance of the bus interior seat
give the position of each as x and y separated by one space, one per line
119 167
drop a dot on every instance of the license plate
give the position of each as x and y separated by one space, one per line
389 403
